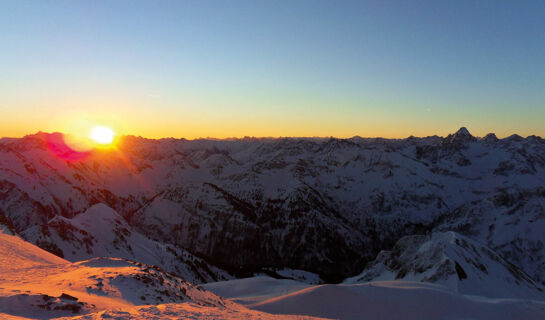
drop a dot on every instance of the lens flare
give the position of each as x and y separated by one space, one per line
56 143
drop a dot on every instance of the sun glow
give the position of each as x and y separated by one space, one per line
101 135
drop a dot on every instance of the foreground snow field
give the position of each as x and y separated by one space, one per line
35 284
374 300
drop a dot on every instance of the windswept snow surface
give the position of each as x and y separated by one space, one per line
35 284
190 311
375 300
18 254
254 290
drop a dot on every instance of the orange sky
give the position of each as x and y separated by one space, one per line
272 69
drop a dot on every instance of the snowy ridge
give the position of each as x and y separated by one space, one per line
453 261
101 232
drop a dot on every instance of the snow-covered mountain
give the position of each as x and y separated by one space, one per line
101 232
327 206
454 261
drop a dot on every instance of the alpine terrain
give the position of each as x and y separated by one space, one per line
136 228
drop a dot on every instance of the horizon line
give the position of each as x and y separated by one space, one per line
279 137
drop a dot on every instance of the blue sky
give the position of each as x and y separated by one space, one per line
276 68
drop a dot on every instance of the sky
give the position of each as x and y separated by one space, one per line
273 68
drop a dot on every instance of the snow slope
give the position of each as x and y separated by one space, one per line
101 232
374 300
18 254
38 285
189 311
249 291
398 300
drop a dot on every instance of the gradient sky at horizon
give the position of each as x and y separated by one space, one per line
277 68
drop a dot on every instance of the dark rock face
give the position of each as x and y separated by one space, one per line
15 204
303 232
322 205
461 136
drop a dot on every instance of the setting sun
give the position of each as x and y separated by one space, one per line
102 135
272 160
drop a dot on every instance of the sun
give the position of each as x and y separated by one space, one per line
101 135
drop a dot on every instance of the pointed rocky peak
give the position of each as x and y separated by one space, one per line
463 132
460 137
490 138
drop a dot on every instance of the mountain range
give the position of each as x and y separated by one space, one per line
212 210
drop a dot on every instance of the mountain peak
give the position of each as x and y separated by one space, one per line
491 137
99 211
460 137
514 137
463 132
